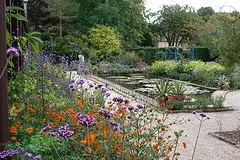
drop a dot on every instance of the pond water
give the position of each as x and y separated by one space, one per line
147 86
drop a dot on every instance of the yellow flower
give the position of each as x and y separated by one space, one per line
13 138
29 130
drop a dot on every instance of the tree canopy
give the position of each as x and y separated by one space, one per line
176 24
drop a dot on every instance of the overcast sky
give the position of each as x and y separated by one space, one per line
154 5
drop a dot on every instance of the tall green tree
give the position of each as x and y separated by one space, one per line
176 24
205 12
222 35
64 10
127 16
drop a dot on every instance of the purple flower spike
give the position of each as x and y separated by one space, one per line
38 157
80 81
13 51
27 154
45 129
107 94
86 120
115 125
103 89
202 115
130 107
106 113
140 106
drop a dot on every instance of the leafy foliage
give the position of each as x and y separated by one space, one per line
105 40
176 24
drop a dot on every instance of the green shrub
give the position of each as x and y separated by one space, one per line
235 78
191 65
164 67
104 39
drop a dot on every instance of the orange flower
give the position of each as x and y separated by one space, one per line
120 110
104 133
131 155
58 117
16 111
167 158
30 109
29 130
169 148
163 129
16 103
155 146
71 111
89 150
13 129
79 103
89 138
94 107
91 115
44 120
13 138
37 100
184 145
62 113
17 124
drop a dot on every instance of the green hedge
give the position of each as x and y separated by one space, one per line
203 54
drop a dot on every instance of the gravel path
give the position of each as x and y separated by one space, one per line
208 148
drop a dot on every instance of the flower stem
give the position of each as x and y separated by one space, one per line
197 138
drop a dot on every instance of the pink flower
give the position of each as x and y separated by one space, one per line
13 51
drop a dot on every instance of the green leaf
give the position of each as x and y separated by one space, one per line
14 8
10 63
8 38
34 44
35 33
18 17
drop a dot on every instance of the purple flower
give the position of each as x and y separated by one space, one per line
13 51
45 129
86 120
99 85
107 94
27 154
130 107
37 157
124 107
64 131
53 134
194 113
103 89
91 85
202 115
91 98
140 106
106 113
118 99
115 125
80 81
10 153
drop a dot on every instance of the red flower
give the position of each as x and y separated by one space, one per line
163 104
184 145
170 98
